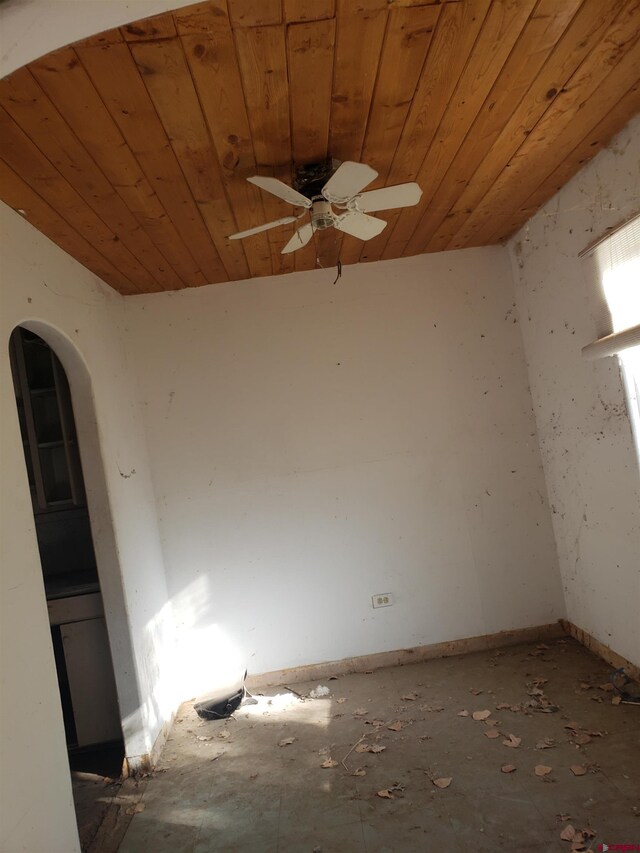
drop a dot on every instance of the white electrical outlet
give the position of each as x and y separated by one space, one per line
383 599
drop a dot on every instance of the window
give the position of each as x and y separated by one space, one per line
617 259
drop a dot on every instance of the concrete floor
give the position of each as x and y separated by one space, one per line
235 785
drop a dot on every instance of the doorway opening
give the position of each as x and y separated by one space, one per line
79 636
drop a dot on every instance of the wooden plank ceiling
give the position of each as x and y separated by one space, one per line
130 149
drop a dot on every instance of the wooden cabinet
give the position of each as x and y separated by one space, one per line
53 465
78 629
85 671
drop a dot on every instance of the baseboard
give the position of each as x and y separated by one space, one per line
603 651
401 657
138 765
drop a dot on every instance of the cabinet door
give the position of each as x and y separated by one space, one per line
91 682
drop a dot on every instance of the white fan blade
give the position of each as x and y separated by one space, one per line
299 239
347 181
403 195
251 231
360 225
283 191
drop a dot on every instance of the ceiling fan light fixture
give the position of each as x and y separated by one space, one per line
321 214
343 188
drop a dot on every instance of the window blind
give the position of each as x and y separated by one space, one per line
617 259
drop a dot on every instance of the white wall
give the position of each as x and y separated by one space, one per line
45 289
585 437
31 28
313 444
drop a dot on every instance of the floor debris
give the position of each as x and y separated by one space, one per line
294 804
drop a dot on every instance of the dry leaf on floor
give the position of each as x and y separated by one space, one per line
568 833
329 762
463 713
542 770
224 734
443 782
563 816
376 723
360 712
475 691
492 733
359 772
578 770
481 715
409 697
582 738
370 747
512 741
608 687
491 723
502 706
578 843
616 700
396 726
546 743
385 795
508 768
139 807
341 700
286 741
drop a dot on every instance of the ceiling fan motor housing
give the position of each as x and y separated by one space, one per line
321 213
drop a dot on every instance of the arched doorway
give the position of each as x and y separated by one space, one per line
92 718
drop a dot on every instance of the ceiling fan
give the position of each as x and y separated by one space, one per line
320 187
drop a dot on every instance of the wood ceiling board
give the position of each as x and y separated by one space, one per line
158 27
501 29
296 11
594 142
617 81
537 40
456 32
213 64
486 116
354 77
202 17
581 37
310 70
20 196
406 45
310 53
586 98
170 85
30 108
21 155
255 13
65 81
262 58
118 82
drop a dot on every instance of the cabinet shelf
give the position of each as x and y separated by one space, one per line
41 392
